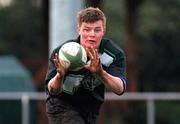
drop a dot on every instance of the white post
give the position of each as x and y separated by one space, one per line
25 109
62 21
150 112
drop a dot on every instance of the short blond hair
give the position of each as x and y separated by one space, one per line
90 15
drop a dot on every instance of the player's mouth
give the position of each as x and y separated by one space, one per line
91 41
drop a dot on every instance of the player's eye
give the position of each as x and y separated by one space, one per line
86 30
97 30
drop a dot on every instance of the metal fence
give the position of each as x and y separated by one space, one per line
150 99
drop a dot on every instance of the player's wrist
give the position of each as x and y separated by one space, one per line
55 90
58 76
100 72
55 86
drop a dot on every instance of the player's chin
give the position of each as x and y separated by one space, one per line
90 45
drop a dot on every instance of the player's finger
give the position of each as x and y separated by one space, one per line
57 61
93 52
96 54
99 60
57 57
89 53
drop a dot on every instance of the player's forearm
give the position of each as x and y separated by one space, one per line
55 85
112 83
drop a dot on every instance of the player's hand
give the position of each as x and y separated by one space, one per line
95 63
59 68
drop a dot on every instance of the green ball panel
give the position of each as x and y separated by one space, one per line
75 61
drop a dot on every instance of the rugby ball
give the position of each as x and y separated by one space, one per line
72 56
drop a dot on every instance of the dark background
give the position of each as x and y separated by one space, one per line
147 30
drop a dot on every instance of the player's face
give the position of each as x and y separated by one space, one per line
91 34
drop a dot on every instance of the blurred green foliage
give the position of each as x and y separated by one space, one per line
167 112
21 32
116 21
159 46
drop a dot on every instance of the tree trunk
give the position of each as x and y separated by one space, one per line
131 46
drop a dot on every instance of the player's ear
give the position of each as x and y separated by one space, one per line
104 30
78 29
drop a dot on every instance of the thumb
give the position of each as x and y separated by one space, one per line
87 66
